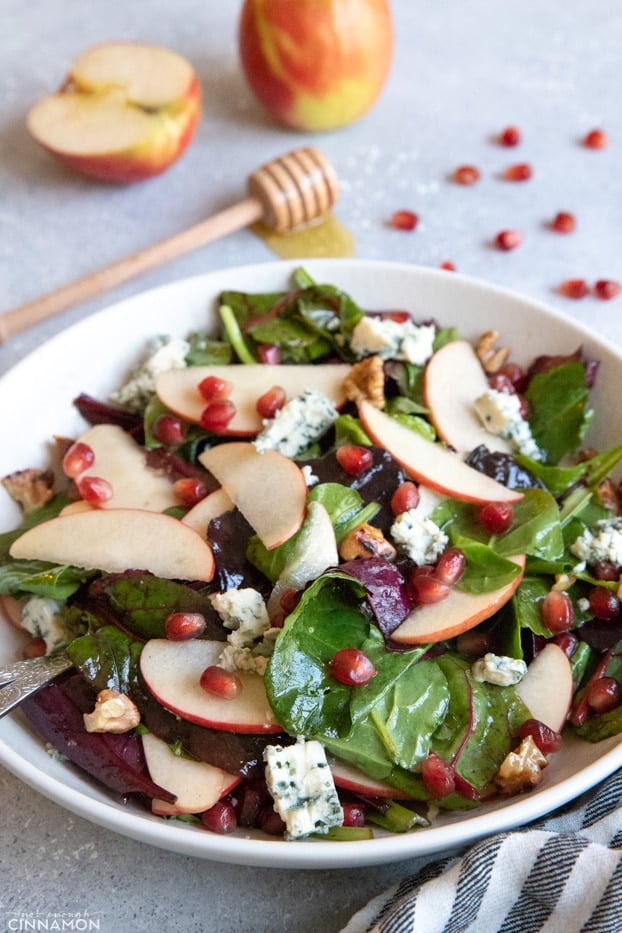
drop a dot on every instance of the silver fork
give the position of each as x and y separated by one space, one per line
19 680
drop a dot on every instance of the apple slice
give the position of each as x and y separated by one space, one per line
350 778
177 389
172 671
125 112
458 613
454 378
196 784
431 463
212 506
117 540
546 689
268 488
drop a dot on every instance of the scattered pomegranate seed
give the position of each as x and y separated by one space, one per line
94 489
496 517
78 458
515 373
438 777
217 415
405 497
213 388
508 239
353 814
269 354
270 822
604 694
474 643
567 642
564 222
190 490
466 175
557 611
220 818
448 266
168 430
354 459
221 683
425 588
606 570
606 289
501 383
581 707
450 566
35 648
574 288
351 667
404 220
520 171
510 136
595 139
545 738
182 626
603 603
271 401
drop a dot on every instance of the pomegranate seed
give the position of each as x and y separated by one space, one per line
438 777
78 458
473 644
501 383
217 415
190 490
405 497
351 667
168 430
425 589
574 288
606 570
449 266
567 642
595 139
182 626
353 814
221 683
604 694
35 648
563 222
404 220
603 603
606 289
271 401
213 388
515 373
581 707
510 136
450 566
557 611
269 354
521 171
220 818
496 517
545 738
466 175
400 317
271 823
354 459
508 239
94 489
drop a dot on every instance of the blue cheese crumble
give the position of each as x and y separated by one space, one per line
301 421
603 541
393 340
164 353
498 669
419 538
302 787
42 618
500 414
250 643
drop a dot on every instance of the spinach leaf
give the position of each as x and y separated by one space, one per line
107 658
560 417
344 506
40 578
204 351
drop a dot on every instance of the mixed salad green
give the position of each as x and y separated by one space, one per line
437 721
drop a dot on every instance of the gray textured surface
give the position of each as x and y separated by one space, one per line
461 72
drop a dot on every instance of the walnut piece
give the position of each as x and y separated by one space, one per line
610 496
114 712
491 358
365 541
366 381
30 488
521 769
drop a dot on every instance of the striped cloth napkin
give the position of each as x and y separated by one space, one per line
562 874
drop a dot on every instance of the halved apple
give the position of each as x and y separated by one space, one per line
172 671
454 378
546 689
125 112
458 613
115 540
196 784
351 778
212 506
431 463
178 389
268 488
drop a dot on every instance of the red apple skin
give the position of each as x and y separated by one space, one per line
165 146
316 64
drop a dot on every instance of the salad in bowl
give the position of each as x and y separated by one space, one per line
327 570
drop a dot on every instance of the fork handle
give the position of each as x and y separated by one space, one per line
24 677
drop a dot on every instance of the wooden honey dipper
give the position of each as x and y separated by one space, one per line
286 193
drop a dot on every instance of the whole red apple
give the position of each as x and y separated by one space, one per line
316 64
